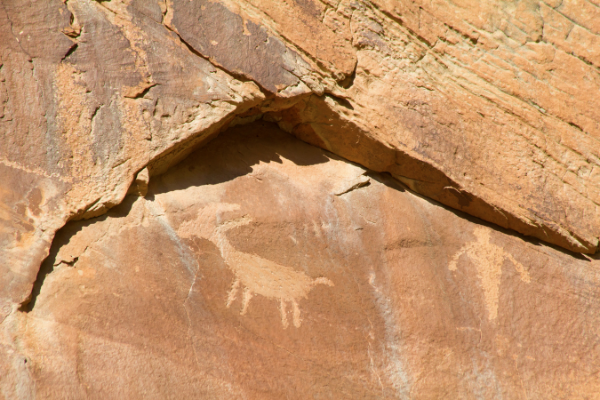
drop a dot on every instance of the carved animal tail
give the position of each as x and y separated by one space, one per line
322 281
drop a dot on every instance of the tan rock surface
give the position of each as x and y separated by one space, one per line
82 116
485 94
262 267
488 107
495 97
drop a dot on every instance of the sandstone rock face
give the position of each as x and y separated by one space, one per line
485 107
489 101
262 267
81 116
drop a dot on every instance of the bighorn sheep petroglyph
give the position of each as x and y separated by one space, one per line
253 274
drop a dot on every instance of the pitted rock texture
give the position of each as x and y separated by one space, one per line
265 268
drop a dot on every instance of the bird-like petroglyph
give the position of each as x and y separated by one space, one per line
254 275
488 259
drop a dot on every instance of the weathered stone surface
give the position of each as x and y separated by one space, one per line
262 267
488 107
486 93
483 93
239 45
82 116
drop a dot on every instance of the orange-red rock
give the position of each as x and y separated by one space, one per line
485 107
262 267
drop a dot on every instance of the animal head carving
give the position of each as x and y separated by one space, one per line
209 220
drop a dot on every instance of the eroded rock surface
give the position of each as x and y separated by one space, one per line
487 98
91 97
488 107
262 267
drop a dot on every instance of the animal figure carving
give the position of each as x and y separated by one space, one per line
254 274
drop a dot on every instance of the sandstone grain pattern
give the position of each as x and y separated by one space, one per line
244 273
486 107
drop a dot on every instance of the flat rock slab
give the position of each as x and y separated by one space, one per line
264 268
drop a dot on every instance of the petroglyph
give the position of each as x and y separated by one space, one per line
488 259
253 274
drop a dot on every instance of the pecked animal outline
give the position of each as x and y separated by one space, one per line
257 275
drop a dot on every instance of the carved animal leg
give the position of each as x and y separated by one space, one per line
322 281
233 292
246 300
284 320
297 319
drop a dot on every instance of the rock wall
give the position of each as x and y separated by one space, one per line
263 267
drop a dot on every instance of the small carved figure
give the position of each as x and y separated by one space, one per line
488 259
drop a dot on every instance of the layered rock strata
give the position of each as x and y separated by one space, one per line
486 107
265 268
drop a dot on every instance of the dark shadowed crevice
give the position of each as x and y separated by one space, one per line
143 92
341 101
229 170
70 51
347 82
63 237
242 165
574 125
45 269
